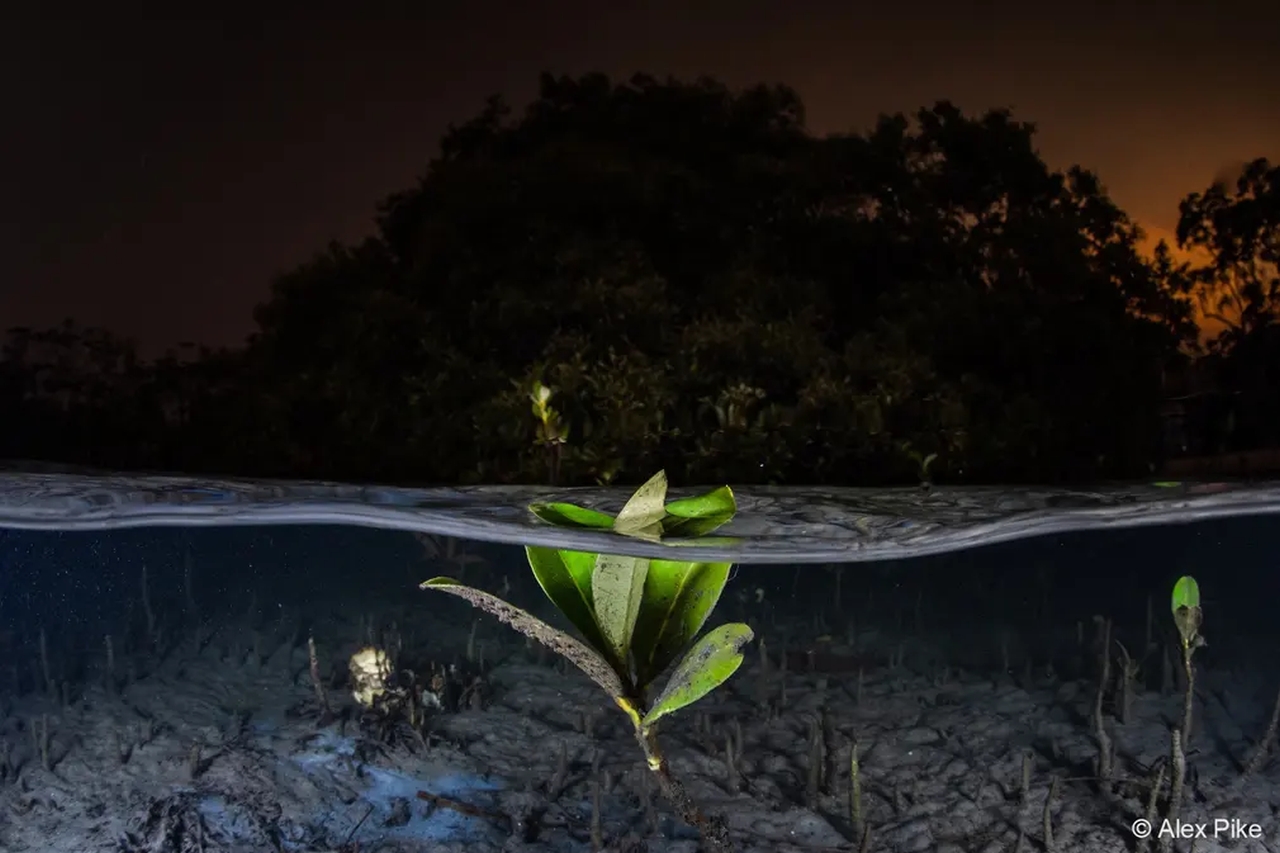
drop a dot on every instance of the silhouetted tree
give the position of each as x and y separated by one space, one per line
1239 287
1239 228
707 287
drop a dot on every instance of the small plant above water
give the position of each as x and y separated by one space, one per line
552 432
636 615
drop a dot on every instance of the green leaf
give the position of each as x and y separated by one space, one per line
617 588
1186 593
580 655
642 516
692 527
699 515
678 597
707 665
715 502
565 577
1187 614
571 515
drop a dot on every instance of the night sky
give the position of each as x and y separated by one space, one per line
155 175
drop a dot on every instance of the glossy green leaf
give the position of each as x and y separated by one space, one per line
1186 593
1187 614
642 516
678 597
707 665
698 516
715 502
565 577
617 588
571 515
576 652
692 527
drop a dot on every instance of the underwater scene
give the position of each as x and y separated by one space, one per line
247 666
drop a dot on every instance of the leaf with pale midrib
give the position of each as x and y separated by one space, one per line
678 597
617 585
642 516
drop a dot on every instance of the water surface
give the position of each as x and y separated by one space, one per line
156 691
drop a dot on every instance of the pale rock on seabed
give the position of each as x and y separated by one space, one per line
970 737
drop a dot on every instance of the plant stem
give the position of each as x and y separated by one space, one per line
1190 695
553 463
712 828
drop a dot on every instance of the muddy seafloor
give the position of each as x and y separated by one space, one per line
971 696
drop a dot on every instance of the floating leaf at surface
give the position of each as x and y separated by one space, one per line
617 588
707 665
716 502
699 515
565 577
580 655
678 597
692 527
642 516
572 515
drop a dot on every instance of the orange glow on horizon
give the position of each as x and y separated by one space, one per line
1153 234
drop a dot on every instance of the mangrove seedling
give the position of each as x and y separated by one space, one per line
552 433
1187 616
636 615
